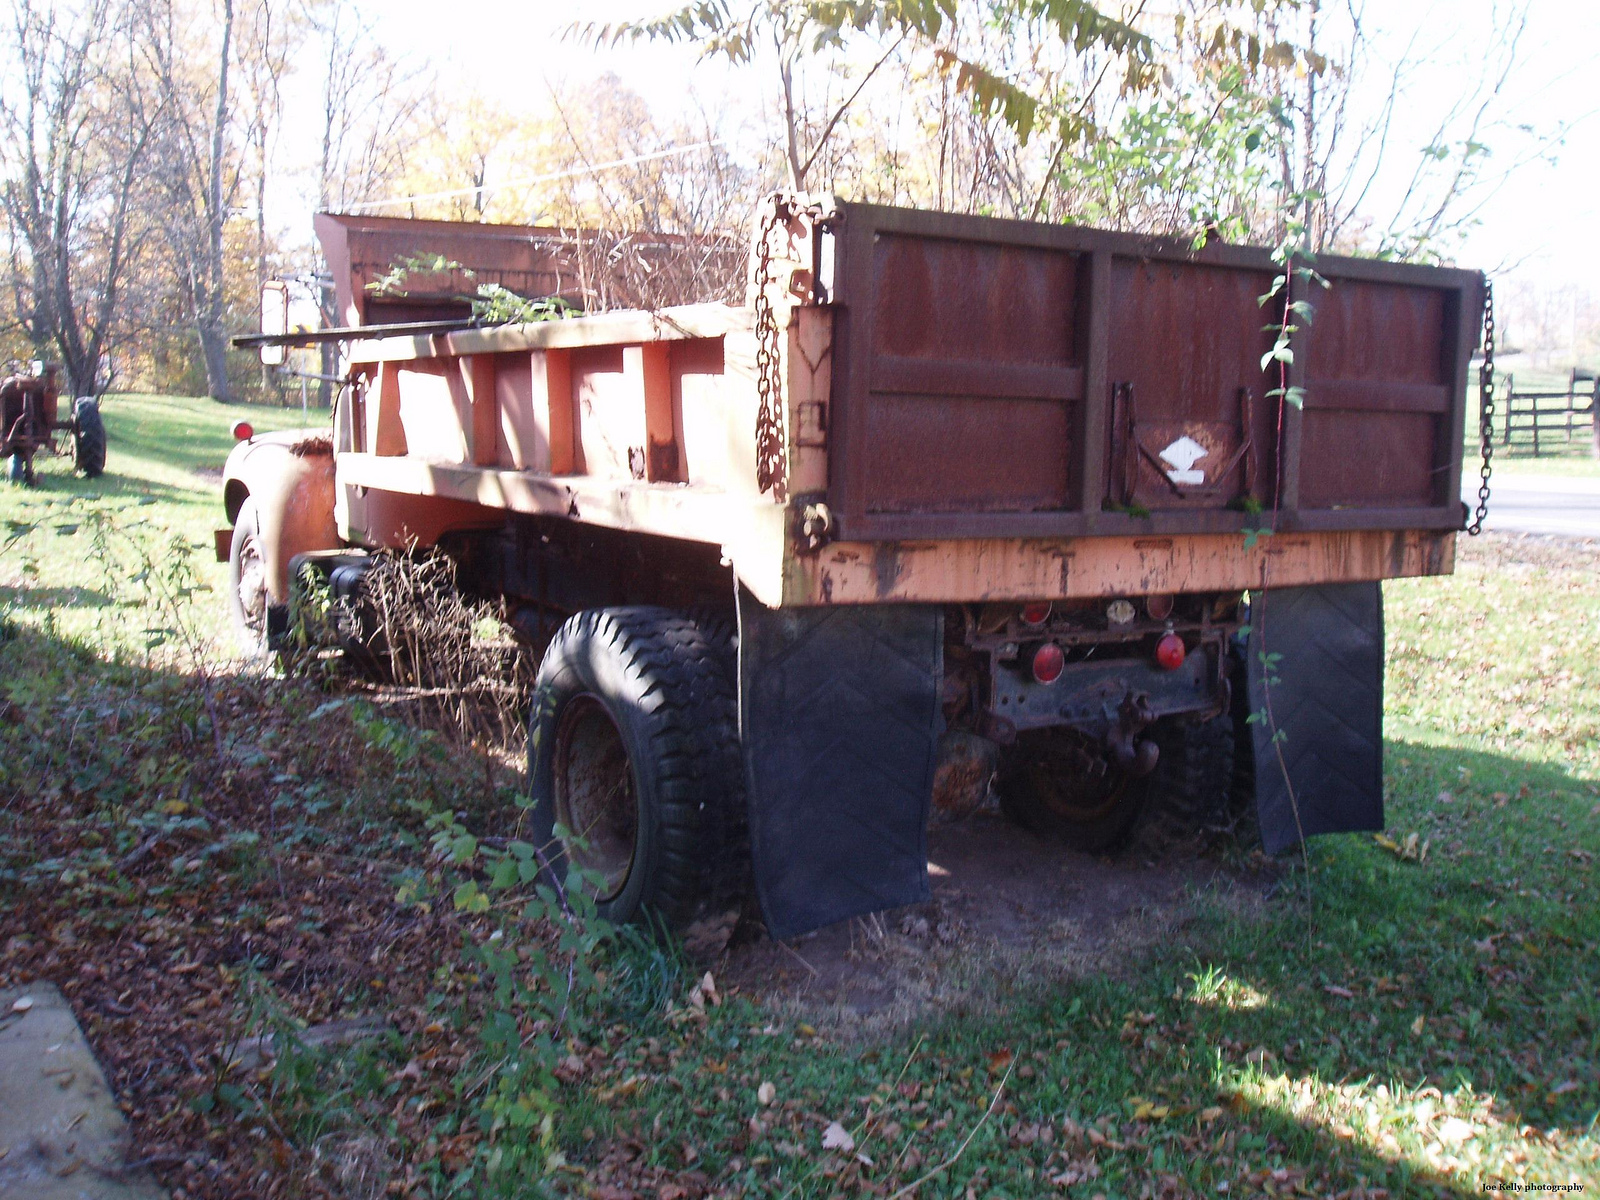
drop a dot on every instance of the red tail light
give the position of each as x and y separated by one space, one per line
243 431
1036 614
1048 663
1170 652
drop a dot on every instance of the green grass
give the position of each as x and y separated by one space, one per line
1579 464
1421 1016
1426 1026
163 476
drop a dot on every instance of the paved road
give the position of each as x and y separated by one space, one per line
1547 504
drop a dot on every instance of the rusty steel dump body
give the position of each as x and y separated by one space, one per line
967 408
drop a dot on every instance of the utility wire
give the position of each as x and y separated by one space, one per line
511 183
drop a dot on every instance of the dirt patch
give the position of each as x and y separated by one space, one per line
1008 910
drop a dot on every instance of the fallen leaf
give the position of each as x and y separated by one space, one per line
766 1093
1416 1026
1208 1115
22 1004
805 1031
1000 1060
1561 1089
1453 1131
708 988
1333 989
837 1137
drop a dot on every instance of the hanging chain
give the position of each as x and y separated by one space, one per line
769 386
1485 411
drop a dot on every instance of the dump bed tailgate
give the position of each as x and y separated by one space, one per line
1003 379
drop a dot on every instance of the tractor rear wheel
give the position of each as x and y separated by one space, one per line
247 583
88 437
633 754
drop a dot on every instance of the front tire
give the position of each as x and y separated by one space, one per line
247 583
633 752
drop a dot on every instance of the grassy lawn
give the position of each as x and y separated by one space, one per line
200 854
1577 464
163 466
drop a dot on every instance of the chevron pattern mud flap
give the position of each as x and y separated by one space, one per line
1327 648
839 716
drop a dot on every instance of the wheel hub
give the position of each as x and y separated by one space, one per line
595 794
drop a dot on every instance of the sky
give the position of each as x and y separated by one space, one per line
1543 221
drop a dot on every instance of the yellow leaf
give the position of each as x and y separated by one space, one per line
173 807
805 1031
1416 1026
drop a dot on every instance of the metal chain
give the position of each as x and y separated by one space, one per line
769 386
1485 411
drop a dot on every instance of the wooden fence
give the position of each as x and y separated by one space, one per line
1548 421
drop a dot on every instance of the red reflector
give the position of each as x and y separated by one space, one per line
1048 663
1036 613
1170 652
243 431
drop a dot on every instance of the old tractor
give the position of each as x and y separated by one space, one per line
30 420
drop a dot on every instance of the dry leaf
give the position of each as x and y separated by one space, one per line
22 1004
766 1093
837 1137
708 989
1453 1131
1333 989
1416 1026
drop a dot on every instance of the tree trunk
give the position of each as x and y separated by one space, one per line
211 300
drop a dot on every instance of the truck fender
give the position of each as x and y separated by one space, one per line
291 485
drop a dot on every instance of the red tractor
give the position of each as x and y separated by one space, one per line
29 409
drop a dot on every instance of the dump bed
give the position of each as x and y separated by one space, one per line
927 407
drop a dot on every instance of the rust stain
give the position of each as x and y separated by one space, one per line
887 568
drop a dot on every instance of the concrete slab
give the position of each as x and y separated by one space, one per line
62 1136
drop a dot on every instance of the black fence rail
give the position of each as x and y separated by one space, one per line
1548 421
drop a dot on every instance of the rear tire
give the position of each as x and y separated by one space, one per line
88 437
1056 783
247 583
1191 788
633 749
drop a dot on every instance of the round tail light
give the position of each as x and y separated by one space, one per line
1048 662
243 431
1036 614
1170 652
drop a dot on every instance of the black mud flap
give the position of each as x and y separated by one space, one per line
839 718
1326 644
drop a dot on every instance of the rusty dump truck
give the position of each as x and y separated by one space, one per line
949 504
